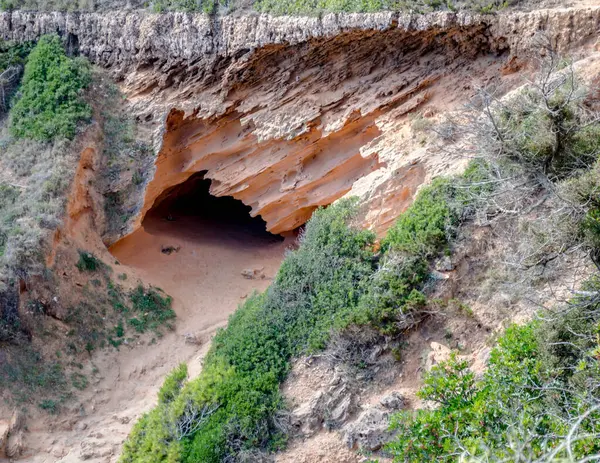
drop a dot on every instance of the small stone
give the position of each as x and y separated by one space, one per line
439 353
192 339
254 273
444 264
58 451
394 401
168 250
81 426
14 447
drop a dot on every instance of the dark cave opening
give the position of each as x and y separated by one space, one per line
190 204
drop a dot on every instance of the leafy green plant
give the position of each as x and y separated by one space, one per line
426 226
51 406
49 103
14 54
151 309
88 262
173 384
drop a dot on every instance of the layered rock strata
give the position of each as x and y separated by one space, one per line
287 114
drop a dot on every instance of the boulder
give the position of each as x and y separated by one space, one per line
370 431
254 273
393 402
14 446
439 353
329 409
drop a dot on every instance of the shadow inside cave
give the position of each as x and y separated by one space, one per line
189 211
206 252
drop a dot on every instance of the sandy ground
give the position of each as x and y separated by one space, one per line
205 275
205 279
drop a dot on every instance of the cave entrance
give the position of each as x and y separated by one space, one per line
195 213
206 252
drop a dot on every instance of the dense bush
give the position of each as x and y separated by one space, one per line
426 226
237 394
14 54
332 280
12 60
49 103
173 384
541 378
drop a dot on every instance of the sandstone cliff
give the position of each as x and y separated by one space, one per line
286 114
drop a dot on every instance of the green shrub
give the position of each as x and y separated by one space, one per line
540 378
151 309
392 304
51 406
547 134
424 229
49 103
173 384
14 54
88 262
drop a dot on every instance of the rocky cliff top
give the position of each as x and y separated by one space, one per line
125 40
290 113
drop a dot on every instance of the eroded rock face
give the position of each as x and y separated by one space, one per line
294 127
287 114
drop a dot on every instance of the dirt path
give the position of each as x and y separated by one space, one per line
205 279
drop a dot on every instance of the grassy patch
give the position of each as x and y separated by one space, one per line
151 308
79 381
27 374
88 262
93 326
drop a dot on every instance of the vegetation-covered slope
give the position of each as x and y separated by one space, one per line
40 145
541 386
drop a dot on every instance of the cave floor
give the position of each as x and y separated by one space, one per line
200 262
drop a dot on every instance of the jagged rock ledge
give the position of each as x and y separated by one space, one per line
290 113
123 40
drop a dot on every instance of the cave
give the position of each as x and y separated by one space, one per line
189 209
207 252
